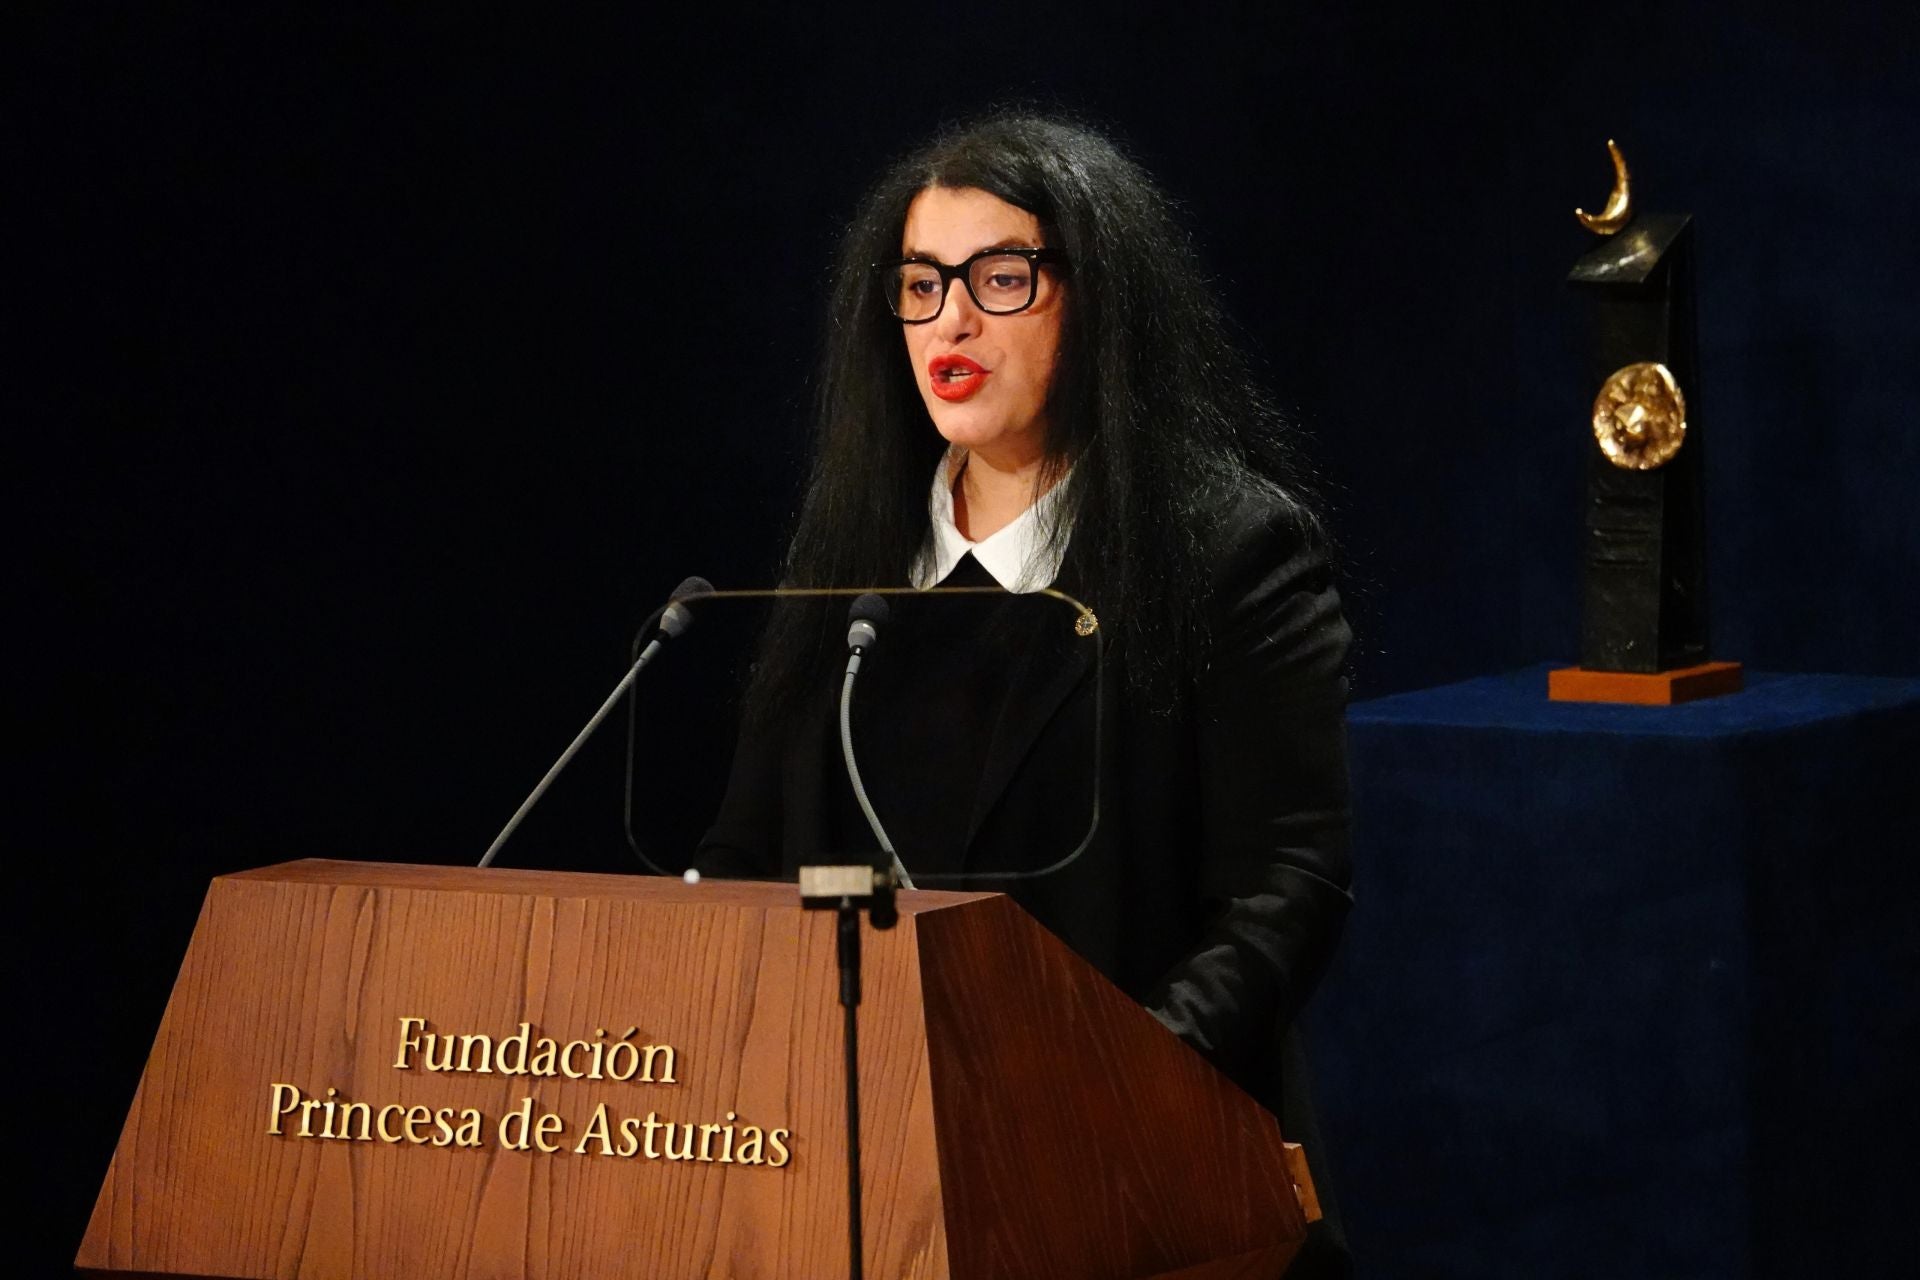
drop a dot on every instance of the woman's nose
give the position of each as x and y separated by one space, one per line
959 318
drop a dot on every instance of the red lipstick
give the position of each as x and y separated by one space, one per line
955 377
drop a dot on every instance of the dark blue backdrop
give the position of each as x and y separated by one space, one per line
375 375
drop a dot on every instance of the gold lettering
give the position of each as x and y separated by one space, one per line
613 1057
596 1131
275 1093
468 1134
443 1124
726 1147
417 1117
777 1140
686 1148
543 1055
520 1041
407 1041
629 1136
566 1060
380 1124
649 1052
348 1110
599 1053
706 1141
652 1123
446 1059
307 1107
521 1122
486 1054
326 1126
546 1124
750 1142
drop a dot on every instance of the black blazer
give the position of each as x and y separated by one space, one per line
1215 888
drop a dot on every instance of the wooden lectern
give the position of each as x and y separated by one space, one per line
373 1070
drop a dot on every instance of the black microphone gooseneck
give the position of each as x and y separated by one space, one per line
864 620
674 619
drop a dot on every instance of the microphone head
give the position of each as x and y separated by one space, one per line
676 617
864 620
870 607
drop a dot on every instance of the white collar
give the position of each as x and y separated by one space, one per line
1018 557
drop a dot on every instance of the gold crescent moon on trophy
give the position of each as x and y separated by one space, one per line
1640 416
1619 201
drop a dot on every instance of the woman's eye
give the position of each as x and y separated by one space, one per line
1004 277
918 282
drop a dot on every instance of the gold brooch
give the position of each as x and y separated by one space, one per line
1086 624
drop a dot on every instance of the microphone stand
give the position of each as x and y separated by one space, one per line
672 620
845 889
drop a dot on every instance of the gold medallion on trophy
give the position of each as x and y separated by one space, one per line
1640 417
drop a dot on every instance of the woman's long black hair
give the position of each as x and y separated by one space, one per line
1152 406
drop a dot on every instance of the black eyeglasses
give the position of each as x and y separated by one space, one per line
1000 282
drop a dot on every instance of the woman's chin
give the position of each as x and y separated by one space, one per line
973 430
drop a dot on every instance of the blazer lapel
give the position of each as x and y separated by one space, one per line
1049 671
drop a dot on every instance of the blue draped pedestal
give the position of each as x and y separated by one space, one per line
1630 991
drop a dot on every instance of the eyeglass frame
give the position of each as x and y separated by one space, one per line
963 272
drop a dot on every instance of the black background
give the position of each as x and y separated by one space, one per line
369 378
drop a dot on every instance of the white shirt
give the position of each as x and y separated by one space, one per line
1017 556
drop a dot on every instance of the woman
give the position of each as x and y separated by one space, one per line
1028 383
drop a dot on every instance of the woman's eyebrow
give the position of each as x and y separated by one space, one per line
1004 242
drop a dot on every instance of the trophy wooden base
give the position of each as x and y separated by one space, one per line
1659 689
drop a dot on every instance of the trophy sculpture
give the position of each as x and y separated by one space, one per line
1643 613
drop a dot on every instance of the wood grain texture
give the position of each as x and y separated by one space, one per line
301 974
1020 1116
1077 1137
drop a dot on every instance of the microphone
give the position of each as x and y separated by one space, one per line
676 617
864 620
671 622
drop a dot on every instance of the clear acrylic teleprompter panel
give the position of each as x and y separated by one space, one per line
1036 659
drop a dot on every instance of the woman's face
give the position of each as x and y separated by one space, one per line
983 377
